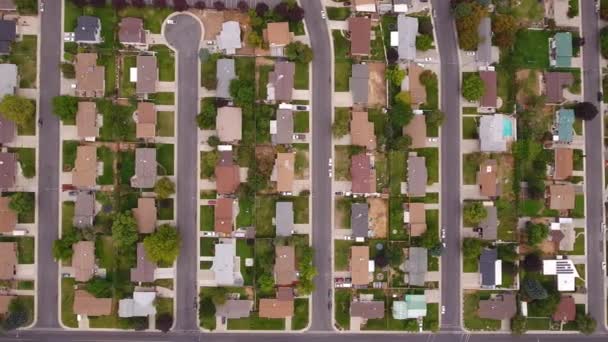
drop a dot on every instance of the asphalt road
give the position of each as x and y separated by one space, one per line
184 36
593 167
450 164
321 152
48 165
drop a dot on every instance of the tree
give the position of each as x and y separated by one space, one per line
585 324
138 3
537 233
67 69
18 315
160 3
296 13
243 6
218 295
180 5
65 107
62 248
534 289
504 27
218 5
213 141
435 118
17 109
518 325
307 271
243 92
206 119
298 52
392 55
97 3
201 6
472 87
261 9
164 188
163 244
471 248
474 212
468 16
164 322
124 231
99 287
533 263
507 253
436 250
119 4
21 203
402 143
395 75
425 25
400 114
604 9
282 10
254 39
582 110
424 42
463 10
266 283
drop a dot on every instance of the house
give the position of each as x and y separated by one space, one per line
365 5
284 218
565 310
8 130
227 177
5 303
277 36
90 78
359 220
281 129
8 217
275 308
86 121
88 30
145 168
280 82
402 6
490 269
141 305
228 123
560 50
229 38
488 101
84 209
8 170
562 234
561 196
416 176
412 307
416 88
360 35
8 5
225 74
145 215
359 83
285 172
83 260
495 131
563 163
285 273
489 225
362 131
223 210
226 265
8 33
555 82
499 307
565 271
8 260
84 174
144 270
564 119
363 177
416 130
360 265
373 309
285 293
484 46
131 32
417 219
9 80
234 309
408 30
416 266
85 304
487 178
146 120
147 75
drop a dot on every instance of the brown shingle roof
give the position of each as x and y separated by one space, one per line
8 218
417 89
86 304
228 124
144 271
90 78
368 309
277 34
223 215
281 81
359 265
363 179
501 307
285 293
145 215
416 129
285 171
554 84
86 120
490 92
131 31
227 176
83 260
561 196
486 177
360 35
8 130
362 131
274 308
417 219
147 74
145 168
8 260
146 120
566 310
8 169
285 265
563 163
5 302
84 173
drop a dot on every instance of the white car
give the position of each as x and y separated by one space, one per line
330 173
170 21
603 265
323 15
443 309
330 162
442 233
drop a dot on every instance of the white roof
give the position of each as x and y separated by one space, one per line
8 79
394 38
491 136
565 271
223 263
141 305
133 75
408 29
229 38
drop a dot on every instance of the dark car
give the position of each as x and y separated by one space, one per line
600 96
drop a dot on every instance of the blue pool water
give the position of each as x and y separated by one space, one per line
507 128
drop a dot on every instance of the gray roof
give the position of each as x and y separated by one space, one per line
416 176
8 169
417 265
144 270
408 29
281 80
7 5
284 127
359 219
8 130
145 168
484 47
141 305
284 218
84 211
8 32
8 79
87 29
490 224
229 38
491 138
225 74
234 308
487 267
367 309
359 83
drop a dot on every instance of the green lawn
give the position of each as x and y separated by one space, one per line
27 160
166 62
396 171
338 13
207 247
263 72
254 322
245 68
343 62
153 17
165 154
301 122
469 169
126 166
342 308
381 171
67 215
531 49
163 98
432 163
70 15
207 218
208 161
297 27
579 206
24 55
68 317
579 243
377 46
245 218
265 212
301 76
300 319
342 254
245 250
165 209
431 320
108 59
578 160
127 88
29 127
106 156
25 285
165 124
164 306
209 72
396 227
342 162
471 320
25 250
469 128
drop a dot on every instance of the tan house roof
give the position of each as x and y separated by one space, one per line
83 260
416 129
362 131
359 264
277 34
8 218
228 124
147 74
285 265
86 120
5 302
285 171
84 173
417 89
363 179
146 120
274 308
486 177
360 35
223 215
227 175
561 196
87 305
417 219
144 270
145 215
563 163
90 78
8 260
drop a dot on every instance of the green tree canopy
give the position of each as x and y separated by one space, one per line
533 289
298 52
307 272
424 42
537 233
266 283
206 118
164 188
243 92
65 107
17 109
18 314
474 212
395 75
518 325
124 231
99 287
435 117
163 245
62 248
472 87
471 248
586 324
22 202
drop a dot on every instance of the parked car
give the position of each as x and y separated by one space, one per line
302 107
600 96
323 15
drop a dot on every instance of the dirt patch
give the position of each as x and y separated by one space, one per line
529 81
378 214
212 22
377 84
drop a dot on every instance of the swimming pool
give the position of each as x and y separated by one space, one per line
507 128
